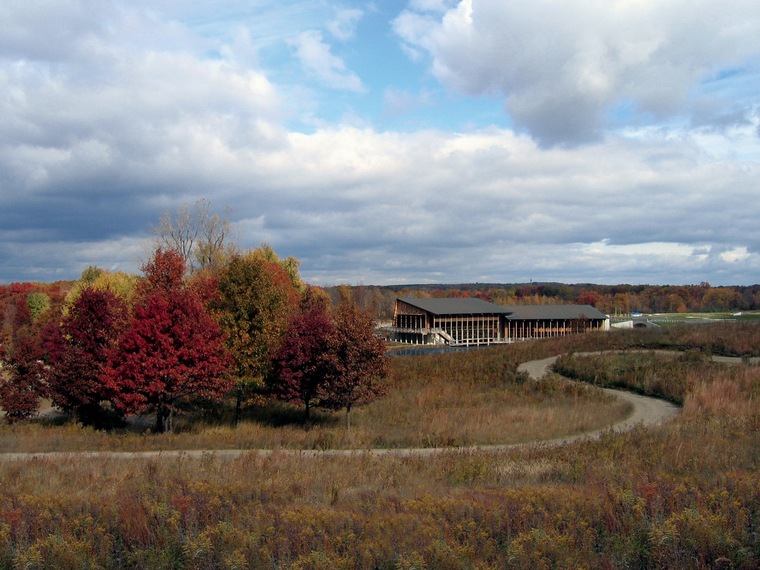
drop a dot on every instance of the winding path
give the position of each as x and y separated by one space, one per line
646 411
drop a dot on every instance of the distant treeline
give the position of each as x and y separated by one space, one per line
610 299
380 299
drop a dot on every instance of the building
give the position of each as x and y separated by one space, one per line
468 321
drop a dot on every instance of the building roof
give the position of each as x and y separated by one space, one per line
542 312
472 306
455 306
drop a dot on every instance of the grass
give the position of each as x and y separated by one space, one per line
459 399
685 494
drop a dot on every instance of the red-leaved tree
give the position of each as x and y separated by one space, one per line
78 351
21 377
306 360
361 363
172 350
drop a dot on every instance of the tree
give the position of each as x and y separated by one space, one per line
306 359
21 377
120 283
78 352
172 350
38 303
164 273
361 363
289 264
201 237
256 300
21 380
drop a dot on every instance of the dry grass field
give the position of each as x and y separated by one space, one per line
685 494
433 401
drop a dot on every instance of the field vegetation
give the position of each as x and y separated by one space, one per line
685 494
475 398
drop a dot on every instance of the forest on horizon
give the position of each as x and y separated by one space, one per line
611 299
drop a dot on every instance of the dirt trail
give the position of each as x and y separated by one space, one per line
646 411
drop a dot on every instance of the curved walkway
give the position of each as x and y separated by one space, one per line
646 411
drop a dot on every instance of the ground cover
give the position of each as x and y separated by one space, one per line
685 494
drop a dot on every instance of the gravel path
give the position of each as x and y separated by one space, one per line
646 410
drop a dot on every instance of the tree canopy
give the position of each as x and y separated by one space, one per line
305 361
171 351
256 300
78 350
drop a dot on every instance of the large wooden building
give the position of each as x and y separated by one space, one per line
468 321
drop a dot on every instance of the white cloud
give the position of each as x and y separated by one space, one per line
563 67
317 58
487 206
139 112
343 26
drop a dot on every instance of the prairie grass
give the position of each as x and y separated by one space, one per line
459 399
685 494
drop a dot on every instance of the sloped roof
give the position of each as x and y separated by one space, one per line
455 306
569 312
472 306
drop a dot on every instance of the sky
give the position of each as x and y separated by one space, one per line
389 141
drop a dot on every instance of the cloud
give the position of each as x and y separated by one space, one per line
317 58
401 102
357 205
138 111
343 26
494 206
565 68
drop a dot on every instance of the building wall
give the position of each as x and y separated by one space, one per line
546 328
415 326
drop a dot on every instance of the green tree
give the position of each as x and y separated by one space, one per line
38 303
255 303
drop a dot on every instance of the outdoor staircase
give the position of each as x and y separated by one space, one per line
446 336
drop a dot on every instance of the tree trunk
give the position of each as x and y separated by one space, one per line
162 415
308 411
238 404
348 418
